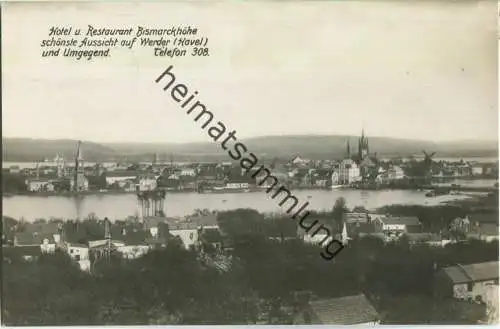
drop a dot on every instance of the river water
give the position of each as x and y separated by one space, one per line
181 204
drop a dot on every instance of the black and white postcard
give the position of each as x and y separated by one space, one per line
249 163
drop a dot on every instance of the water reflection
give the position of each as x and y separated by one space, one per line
181 204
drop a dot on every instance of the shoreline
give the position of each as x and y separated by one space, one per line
472 201
257 190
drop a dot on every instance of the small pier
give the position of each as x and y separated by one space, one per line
151 202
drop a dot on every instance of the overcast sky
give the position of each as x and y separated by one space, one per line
411 70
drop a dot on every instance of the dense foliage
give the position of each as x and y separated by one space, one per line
172 286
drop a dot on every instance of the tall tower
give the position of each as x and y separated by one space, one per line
79 169
363 146
348 149
80 159
60 165
107 237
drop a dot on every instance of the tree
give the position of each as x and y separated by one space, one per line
359 209
13 183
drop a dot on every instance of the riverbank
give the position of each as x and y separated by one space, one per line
453 187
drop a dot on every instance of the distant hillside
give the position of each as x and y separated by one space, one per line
27 149
310 146
315 147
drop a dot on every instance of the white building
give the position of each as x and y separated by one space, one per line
188 172
397 224
348 172
299 161
322 239
48 245
147 182
491 300
78 251
80 254
39 185
469 282
187 232
395 173
117 176
237 185
133 251
477 170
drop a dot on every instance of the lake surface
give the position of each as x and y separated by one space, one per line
471 183
181 204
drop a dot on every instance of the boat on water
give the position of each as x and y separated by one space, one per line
225 190
437 192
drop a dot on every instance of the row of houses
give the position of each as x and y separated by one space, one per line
203 227
154 232
190 176
470 282
392 228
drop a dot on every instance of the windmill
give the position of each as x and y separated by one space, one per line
427 162
273 163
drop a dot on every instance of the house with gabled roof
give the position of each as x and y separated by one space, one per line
80 254
470 281
27 253
188 232
348 310
45 242
398 224
299 161
212 237
121 175
484 231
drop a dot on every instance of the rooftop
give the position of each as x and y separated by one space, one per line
182 226
212 235
32 239
473 272
400 220
43 228
488 229
342 311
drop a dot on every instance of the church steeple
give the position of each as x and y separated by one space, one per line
363 145
348 149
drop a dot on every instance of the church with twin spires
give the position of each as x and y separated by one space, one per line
355 167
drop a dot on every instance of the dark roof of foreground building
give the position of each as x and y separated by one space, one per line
212 235
341 311
21 251
472 272
397 220
31 239
43 228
